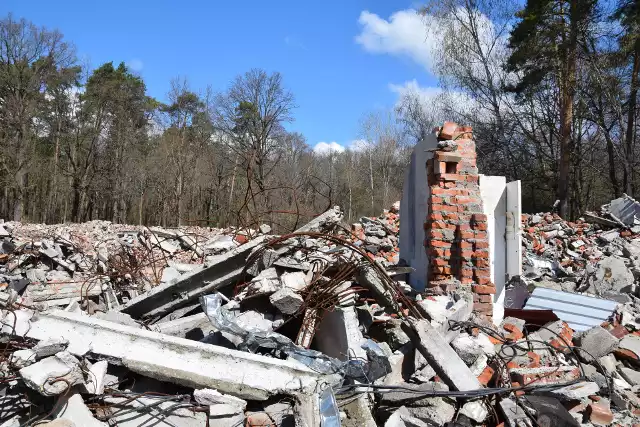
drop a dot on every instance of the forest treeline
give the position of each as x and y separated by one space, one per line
550 89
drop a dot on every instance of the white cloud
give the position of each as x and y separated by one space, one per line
425 93
328 147
135 64
358 145
406 33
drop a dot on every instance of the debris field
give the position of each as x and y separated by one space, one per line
113 325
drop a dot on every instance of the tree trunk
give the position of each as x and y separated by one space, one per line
631 115
567 85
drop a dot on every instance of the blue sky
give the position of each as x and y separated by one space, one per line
340 58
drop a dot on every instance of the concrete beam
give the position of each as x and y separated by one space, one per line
441 357
168 297
179 360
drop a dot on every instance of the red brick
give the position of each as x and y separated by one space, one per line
433 234
484 289
483 281
440 261
486 376
450 216
437 252
599 414
442 191
240 238
440 244
482 307
447 131
466 245
479 262
467 235
435 217
479 217
482 298
482 244
480 226
481 254
435 199
466 272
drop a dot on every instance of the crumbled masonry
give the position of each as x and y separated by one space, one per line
107 324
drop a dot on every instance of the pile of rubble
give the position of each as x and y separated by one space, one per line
311 328
592 255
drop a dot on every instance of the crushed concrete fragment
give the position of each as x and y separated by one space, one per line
286 300
53 375
596 343
73 409
442 358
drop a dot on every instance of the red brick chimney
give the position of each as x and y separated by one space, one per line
456 239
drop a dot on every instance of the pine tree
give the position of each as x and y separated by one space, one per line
546 44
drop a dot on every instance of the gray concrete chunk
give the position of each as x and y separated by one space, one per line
286 300
442 358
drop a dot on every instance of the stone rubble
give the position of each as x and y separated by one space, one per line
105 324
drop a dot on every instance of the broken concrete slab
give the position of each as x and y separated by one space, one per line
44 291
576 391
49 347
514 415
53 375
73 409
179 360
440 356
596 343
613 274
208 396
96 378
161 300
339 335
403 418
182 326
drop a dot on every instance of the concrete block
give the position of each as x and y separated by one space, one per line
286 300
22 358
442 358
181 361
118 317
577 391
378 355
632 376
403 418
475 410
339 334
596 343
96 378
169 274
53 375
50 347
15 322
296 280
73 409
208 396
357 414
433 411
467 348
181 327
514 415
